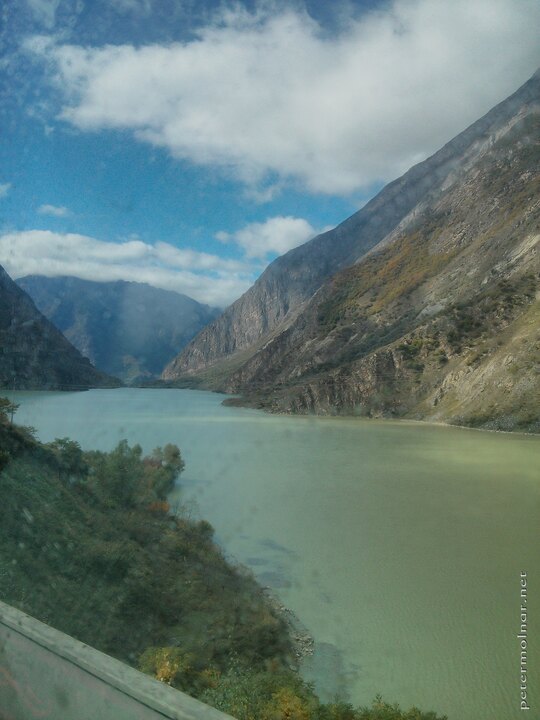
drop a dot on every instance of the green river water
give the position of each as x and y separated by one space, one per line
398 545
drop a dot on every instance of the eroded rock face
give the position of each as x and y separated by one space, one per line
411 306
279 294
34 355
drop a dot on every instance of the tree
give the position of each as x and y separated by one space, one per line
123 476
167 464
7 410
169 456
70 457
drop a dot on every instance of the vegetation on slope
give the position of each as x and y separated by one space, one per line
241 334
89 544
440 322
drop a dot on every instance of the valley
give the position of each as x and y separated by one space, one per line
423 305
398 545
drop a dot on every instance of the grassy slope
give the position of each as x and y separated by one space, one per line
88 545
122 575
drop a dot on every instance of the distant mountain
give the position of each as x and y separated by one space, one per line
34 355
130 330
423 304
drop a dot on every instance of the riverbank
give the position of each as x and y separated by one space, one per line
353 523
88 545
303 642
246 402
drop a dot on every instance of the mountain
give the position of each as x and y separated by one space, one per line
423 304
34 355
130 330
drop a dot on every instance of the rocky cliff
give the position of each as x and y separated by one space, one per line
34 355
434 314
128 329
441 323
282 291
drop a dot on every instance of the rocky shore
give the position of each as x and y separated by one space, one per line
303 643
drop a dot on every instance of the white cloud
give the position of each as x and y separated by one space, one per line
275 236
4 189
53 210
269 97
207 278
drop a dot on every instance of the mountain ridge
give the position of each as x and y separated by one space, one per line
448 263
128 329
34 355
442 324
292 278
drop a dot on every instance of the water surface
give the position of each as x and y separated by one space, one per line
398 545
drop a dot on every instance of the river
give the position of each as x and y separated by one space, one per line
398 545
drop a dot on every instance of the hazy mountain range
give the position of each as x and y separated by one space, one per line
424 304
130 330
34 355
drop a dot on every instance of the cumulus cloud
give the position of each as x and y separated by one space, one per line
4 189
273 237
204 277
269 95
53 210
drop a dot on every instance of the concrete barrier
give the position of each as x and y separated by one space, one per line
49 675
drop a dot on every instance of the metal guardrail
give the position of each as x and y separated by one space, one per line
48 675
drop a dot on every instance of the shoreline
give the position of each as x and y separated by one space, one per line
303 643
238 401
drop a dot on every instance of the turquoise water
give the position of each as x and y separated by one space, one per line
398 545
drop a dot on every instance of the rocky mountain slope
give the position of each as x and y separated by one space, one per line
278 295
130 330
436 317
34 355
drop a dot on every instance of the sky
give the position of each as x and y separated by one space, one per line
187 143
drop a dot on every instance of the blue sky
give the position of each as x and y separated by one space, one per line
187 144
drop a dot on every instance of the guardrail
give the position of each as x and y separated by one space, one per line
48 675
